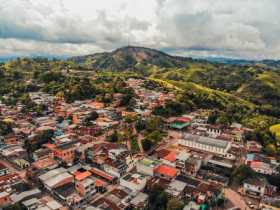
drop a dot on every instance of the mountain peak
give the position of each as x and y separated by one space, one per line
128 57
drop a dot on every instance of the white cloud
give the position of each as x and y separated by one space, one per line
239 28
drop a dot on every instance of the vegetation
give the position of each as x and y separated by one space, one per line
158 198
174 204
249 93
275 129
241 173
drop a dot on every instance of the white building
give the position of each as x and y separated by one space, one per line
135 182
208 144
146 166
255 187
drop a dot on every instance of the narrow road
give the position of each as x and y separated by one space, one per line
236 199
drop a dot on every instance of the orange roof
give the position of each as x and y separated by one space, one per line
97 105
81 175
171 156
99 183
101 174
166 170
49 146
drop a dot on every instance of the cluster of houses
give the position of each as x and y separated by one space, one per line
77 168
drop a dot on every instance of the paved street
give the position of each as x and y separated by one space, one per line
236 199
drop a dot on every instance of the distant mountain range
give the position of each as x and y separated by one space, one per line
232 61
130 56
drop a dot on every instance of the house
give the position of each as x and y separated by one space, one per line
140 201
259 163
103 175
166 172
18 197
253 147
170 159
42 154
46 203
117 199
8 180
207 144
135 182
192 166
176 189
146 166
4 199
3 170
254 187
65 152
85 187
11 139
270 203
68 195
115 167
180 123
55 178
181 160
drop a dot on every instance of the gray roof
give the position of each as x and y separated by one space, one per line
206 140
52 173
19 197
54 205
30 202
139 198
56 179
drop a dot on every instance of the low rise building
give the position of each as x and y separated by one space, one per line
176 189
146 166
254 187
55 178
135 182
166 172
3 170
205 144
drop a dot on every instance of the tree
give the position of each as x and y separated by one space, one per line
158 198
140 125
92 116
270 149
5 128
154 123
40 139
174 204
147 144
241 173
114 137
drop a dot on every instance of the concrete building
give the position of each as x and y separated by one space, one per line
254 187
146 166
55 178
135 182
3 170
203 143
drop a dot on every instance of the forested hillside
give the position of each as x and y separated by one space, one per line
248 93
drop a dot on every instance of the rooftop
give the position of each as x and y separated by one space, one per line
166 170
148 162
206 140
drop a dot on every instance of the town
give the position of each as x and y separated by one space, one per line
92 155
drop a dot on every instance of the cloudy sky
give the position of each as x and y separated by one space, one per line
220 28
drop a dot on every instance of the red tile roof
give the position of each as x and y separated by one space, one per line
166 171
171 156
183 119
81 175
101 174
